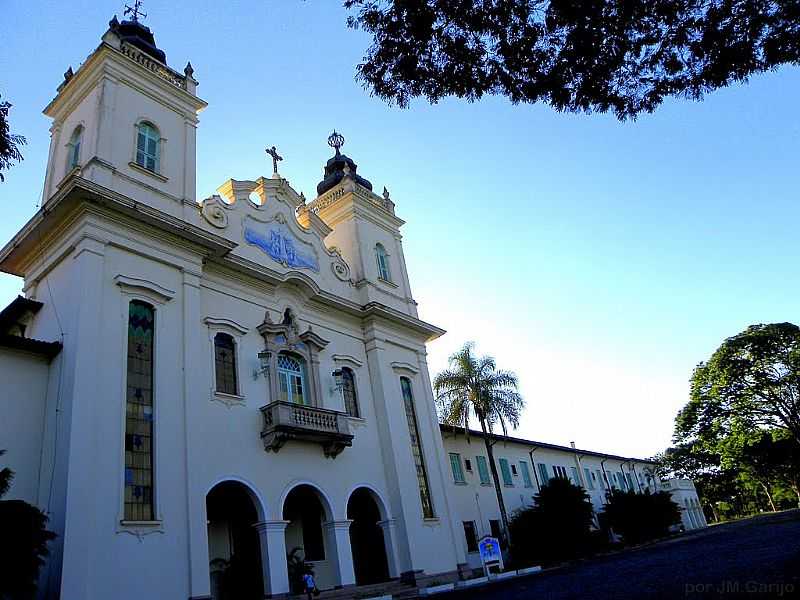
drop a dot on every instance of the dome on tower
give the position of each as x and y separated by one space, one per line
136 34
338 166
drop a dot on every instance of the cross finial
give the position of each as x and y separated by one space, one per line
336 141
135 11
275 158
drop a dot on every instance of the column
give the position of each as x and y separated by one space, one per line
388 528
337 535
272 536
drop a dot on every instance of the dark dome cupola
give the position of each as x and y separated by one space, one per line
136 34
338 166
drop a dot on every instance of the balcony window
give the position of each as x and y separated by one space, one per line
292 379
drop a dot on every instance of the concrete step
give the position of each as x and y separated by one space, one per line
388 589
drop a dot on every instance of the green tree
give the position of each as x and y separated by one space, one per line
592 55
556 528
769 459
9 142
473 386
641 517
751 382
23 543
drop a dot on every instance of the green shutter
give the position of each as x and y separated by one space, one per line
506 472
543 473
589 482
483 469
526 475
576 480
455 464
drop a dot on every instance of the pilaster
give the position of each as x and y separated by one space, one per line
272 536
389 528
194 387
390 430
83 347
338 537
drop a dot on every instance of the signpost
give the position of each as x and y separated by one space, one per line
491 557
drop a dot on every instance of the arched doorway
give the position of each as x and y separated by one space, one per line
366 538
306 545
234 552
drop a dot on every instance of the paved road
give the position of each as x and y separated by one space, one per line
755 558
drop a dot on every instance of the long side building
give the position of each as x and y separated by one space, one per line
525 465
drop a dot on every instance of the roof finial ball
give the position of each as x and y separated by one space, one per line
336 141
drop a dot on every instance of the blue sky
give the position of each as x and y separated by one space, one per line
598 260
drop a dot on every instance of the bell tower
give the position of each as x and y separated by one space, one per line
127 121
365 230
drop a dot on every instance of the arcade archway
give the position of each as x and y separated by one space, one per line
233 545
367 543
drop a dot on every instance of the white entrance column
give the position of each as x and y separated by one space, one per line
388 528
337 535
272 535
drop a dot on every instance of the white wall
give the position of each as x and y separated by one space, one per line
24 378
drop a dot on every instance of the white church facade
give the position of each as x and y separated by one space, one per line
199 387
224 380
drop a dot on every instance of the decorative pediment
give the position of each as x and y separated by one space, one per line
276 223
277 240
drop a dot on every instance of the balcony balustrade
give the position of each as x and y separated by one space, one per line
284 421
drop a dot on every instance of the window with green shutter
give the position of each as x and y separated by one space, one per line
455 464
543 473
575 477
589 476
506 472
483 470
526 475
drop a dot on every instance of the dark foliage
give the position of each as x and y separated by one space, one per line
576 55
23 543
23 548
6 475
641 517
9 142
556 528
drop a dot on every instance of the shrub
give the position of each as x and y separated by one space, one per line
641 517
556 528
23 543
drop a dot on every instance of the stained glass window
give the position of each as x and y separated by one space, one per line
291 379
147 151
225 363
139 414
349 392
416 449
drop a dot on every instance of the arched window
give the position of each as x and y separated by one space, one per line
147 146
349 392
383 263
139 484
225 363
292 379
74 146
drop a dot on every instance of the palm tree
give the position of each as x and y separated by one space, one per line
473 386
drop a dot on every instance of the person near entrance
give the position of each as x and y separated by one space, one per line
310 584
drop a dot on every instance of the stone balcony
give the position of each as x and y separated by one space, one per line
284 421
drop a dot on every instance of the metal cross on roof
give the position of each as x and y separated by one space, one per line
275 158
135 11
336 141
